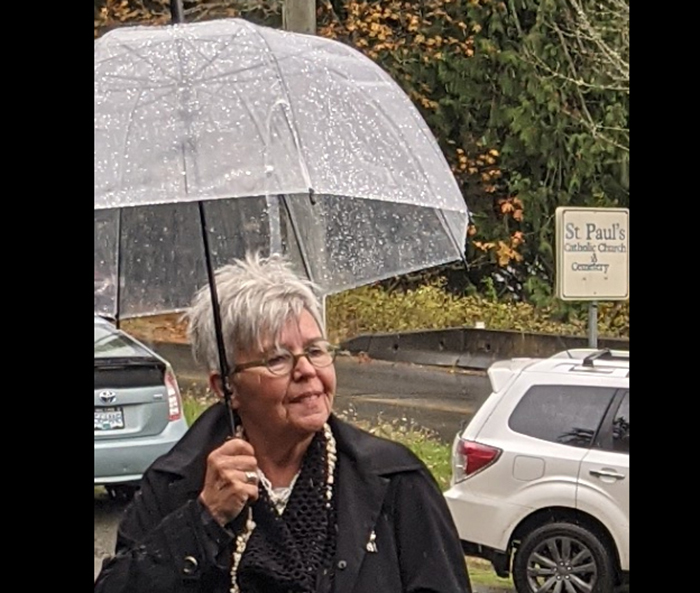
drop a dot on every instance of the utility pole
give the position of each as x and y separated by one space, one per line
177 11
299 16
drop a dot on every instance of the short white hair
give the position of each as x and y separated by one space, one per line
257 295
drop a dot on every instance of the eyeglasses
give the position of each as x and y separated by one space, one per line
281 362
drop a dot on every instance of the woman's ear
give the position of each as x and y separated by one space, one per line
215 384
216 387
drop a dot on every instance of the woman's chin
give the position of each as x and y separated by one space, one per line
310 420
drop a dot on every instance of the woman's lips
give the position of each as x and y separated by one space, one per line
306 396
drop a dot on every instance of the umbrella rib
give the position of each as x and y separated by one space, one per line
127 135
295 230
209 61
152 64
219 94
285 90
443 220
418 120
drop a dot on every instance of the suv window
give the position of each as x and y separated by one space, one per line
566 414
621 426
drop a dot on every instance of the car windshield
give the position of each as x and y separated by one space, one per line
111 344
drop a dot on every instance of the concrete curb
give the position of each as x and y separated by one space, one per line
464 348
467 348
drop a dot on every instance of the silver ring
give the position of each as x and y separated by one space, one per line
251 477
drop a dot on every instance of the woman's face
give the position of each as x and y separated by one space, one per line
299 402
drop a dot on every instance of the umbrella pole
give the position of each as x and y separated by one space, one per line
223 363
177 12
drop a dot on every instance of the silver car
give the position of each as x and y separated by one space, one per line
138 409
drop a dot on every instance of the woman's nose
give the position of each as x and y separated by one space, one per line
303 367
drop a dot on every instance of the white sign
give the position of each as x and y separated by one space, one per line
592 254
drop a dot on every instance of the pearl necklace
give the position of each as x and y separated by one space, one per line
244 536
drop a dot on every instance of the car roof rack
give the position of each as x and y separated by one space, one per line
604 354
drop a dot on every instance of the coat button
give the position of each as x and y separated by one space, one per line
342 564
190 565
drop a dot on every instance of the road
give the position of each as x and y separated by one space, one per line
436 399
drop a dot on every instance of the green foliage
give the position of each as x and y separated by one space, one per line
425 444
193 406
495 76
373 309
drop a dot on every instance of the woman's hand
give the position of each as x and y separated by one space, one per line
229 482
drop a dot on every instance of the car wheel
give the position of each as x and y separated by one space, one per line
562 558
121 492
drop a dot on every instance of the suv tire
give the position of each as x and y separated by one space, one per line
579 552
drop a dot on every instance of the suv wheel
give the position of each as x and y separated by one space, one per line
562 558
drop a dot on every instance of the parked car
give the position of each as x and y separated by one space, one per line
138 409
540 475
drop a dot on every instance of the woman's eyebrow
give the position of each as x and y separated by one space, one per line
306 344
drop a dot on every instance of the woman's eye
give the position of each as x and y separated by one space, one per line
278 359
320 350
317 350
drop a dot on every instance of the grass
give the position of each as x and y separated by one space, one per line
482 573
434 453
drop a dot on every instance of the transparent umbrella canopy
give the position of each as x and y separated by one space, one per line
219 137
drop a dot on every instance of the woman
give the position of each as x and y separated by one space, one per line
298 501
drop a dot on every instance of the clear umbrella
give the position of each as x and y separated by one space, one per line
219 137
337 167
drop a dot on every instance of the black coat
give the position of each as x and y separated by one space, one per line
166 543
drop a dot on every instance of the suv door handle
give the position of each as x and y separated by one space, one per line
606 473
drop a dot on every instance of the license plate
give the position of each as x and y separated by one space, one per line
109 418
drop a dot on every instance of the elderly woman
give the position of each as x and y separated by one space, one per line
299 501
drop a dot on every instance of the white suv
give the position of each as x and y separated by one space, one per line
540 475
